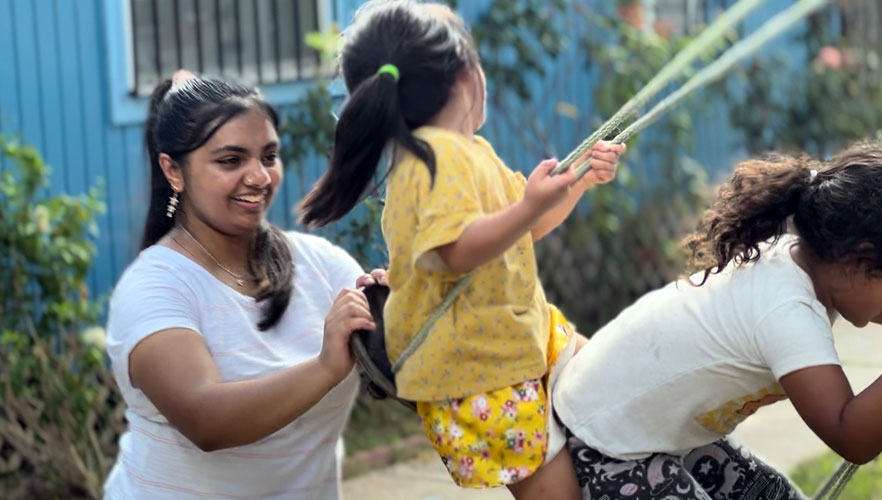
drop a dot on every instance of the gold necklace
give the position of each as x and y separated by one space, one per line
240 280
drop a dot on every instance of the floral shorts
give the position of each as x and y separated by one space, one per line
499 437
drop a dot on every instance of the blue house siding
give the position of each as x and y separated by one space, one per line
9 111
57 93
60 91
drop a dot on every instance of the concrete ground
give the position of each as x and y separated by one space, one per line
775 433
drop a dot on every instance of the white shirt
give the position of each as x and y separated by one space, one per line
164 289
684 365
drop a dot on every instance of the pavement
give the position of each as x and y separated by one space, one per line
775 433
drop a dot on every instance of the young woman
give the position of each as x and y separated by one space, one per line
229 339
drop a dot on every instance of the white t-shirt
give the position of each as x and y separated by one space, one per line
684 365
164 289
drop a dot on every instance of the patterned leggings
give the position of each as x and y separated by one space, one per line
718 471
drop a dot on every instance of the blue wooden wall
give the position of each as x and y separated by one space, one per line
57 84
55 87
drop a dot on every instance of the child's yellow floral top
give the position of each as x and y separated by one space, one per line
496 333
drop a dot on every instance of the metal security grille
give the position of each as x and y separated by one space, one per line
255 41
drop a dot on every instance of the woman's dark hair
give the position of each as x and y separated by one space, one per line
180 120
429 49
837 212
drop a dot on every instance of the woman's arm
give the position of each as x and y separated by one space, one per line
176 372
850 425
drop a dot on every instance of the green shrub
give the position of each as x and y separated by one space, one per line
866 484
60 412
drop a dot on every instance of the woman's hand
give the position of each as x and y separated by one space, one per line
377 276
350 312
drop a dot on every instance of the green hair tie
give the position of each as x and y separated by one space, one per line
390 69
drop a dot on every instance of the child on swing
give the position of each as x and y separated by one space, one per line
480 379
650 405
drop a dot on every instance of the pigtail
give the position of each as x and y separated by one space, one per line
751 208
271 260
371 121
428 50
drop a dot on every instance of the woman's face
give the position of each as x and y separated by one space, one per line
231 180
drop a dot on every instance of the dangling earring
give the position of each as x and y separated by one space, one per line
172 205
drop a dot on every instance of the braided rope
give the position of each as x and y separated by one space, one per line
837 482
676 66
430 322
714 71
745 48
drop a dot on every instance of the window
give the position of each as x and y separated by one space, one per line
259 42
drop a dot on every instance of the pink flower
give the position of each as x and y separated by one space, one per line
829 57
455 404
633 14
466 468
481 408
510 409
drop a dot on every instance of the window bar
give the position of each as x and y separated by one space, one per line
196 9
178 50
238 38
276 40
255 13
318 55
134 88
297 40
687 21
157 59
217 35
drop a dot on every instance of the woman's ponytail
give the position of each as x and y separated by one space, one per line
157 223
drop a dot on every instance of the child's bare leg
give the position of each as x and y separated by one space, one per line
555 480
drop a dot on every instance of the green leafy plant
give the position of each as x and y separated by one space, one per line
866 484
60 412
831 98
307 126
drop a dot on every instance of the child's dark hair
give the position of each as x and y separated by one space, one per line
428 50
836 211
179 121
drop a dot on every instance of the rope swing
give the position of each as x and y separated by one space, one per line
677 66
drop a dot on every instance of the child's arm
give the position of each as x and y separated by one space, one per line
491 235
850 425
603 170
